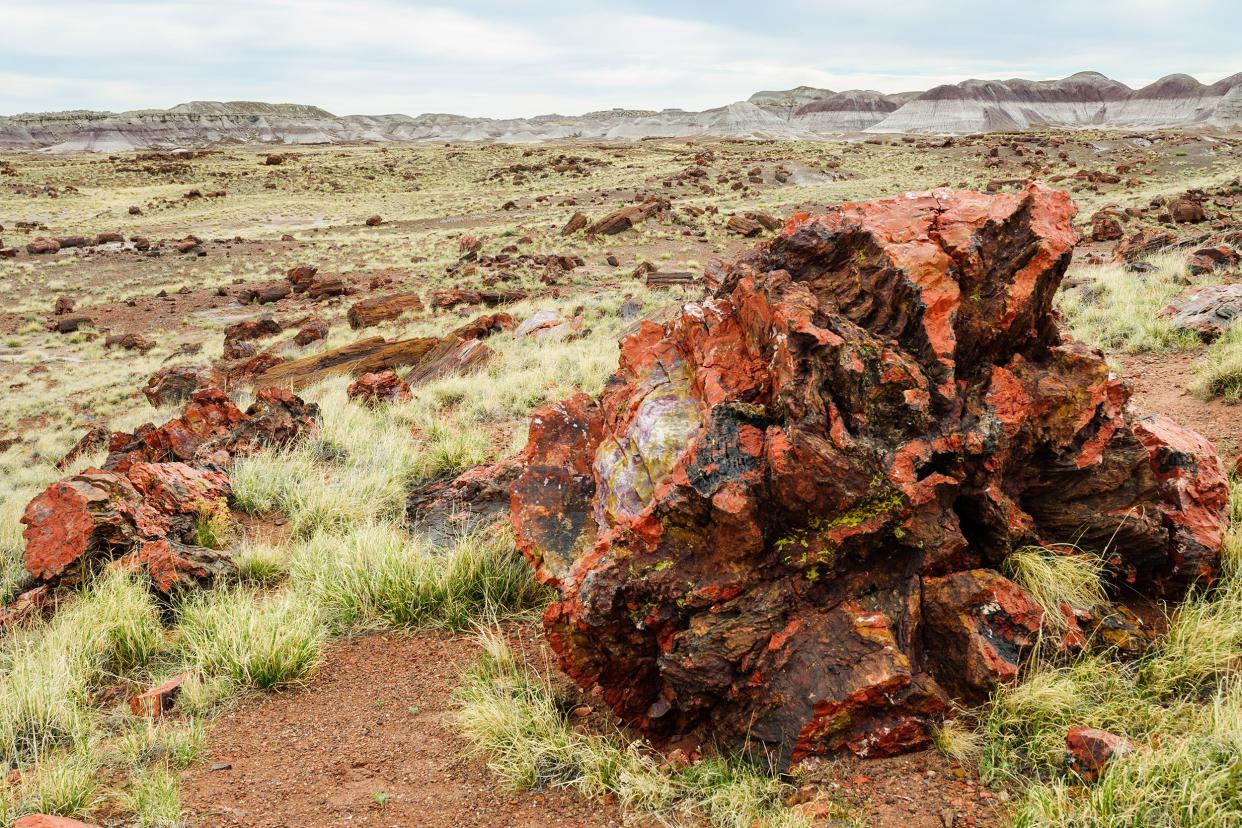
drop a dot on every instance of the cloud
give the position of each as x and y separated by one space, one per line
522 57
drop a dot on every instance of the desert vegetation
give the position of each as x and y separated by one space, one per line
323 532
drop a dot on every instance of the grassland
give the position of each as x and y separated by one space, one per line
320 535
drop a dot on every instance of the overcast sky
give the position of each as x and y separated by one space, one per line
511 58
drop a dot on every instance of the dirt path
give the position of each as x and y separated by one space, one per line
1160 385
318 756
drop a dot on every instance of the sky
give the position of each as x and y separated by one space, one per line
512 58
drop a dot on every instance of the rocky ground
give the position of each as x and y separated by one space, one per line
244 265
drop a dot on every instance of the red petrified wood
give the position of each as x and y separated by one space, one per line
784 520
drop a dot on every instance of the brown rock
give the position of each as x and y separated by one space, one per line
379 309
576 222
782 522
71 324
249 329
375 221
93 440
312 330
109 238
129 342
743 226
64 305
43 247
1143 242
301 277
1185 211
1105 227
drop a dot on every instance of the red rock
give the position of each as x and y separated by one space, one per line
160 699
743 226
789 490
1185 211
379 309
375 221
177 383
1210 259
1105 227
43 247
312 330
248 329
301 277
90 513
469 244
176 488
381 387
129 342
1089 749
25 607
576 222
46 821
977 625
173 565
451 298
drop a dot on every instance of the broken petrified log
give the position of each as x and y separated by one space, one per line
364 356
1207 311
142 505
784 520
379 309
372 355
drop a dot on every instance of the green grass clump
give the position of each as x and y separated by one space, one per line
376 574
1114 309
1219 373
513 718
1180 704
254 643
1057 576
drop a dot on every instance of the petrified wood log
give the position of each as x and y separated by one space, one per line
362 357
785 520
379 309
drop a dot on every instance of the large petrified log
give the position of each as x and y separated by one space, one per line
785 520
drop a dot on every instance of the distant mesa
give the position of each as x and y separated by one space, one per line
1082 100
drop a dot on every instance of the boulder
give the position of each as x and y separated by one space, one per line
783 523
301 277
376 388
142 505
93 440
1185 211
374 221
175 384
743 226
129 342
1105 227
64 305
627 217
540 323
48 821
1208 311
1089 749
73 323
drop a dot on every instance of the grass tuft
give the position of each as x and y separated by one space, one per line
512 716
1057 576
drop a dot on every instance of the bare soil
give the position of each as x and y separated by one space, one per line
376 723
